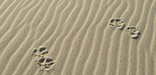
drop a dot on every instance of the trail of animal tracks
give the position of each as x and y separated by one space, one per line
77 35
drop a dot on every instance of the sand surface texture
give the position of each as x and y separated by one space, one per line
78 37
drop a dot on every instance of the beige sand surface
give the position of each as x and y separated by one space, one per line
77 36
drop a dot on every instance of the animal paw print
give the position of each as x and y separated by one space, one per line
117 23
46 63
39 53
133 32
41 57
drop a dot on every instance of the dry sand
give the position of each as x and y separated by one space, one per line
77 36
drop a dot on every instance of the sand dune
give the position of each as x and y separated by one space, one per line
77 36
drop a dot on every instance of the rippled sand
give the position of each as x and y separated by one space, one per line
77 35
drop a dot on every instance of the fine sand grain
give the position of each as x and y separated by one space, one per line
78 37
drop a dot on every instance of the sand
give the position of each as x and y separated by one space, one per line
78 37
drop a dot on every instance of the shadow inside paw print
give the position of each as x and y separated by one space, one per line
117 23
133 32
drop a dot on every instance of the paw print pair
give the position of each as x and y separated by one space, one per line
43 60
120 24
